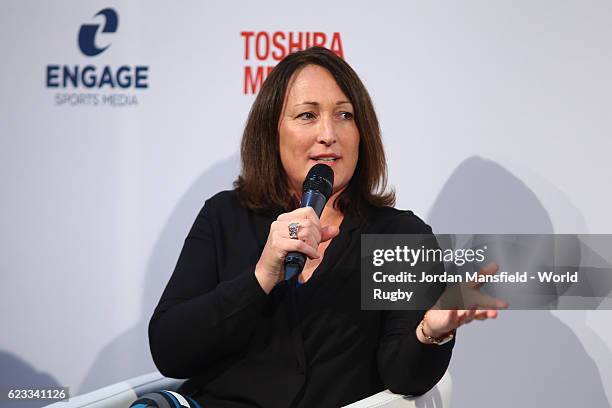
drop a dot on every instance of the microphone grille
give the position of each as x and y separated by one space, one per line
320 178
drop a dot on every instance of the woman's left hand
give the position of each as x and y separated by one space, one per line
439 323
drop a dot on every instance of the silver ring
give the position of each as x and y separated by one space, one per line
294 227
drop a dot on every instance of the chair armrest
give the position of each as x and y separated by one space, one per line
121 394
438 397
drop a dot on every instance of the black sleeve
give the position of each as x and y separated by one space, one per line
199 320
406 365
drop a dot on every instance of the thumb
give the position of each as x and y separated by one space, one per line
329 232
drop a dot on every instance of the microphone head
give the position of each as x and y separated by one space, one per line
320 178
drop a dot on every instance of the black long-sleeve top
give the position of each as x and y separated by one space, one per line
306 345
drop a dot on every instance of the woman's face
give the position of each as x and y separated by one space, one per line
317 126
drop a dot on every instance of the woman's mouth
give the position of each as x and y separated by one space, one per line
326 159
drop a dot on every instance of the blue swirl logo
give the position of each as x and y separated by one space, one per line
88 32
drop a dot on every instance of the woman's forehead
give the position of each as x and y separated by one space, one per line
314 85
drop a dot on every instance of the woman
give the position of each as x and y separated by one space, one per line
230 322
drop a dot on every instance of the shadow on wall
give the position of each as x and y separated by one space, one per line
129 355
524 358
17 373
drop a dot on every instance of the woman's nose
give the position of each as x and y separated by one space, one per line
327 132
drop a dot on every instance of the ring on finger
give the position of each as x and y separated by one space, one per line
294 228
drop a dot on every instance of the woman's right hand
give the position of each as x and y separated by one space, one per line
270 267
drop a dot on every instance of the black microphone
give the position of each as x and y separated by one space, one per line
317 189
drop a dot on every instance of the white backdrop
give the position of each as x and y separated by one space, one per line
495 115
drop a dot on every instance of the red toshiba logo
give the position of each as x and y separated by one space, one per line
265 49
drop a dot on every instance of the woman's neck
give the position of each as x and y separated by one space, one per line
331 215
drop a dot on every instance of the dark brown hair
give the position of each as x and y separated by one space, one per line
262 184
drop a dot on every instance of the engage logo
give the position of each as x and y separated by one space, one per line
87 33
94 84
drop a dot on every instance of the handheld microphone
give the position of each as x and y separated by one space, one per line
317 189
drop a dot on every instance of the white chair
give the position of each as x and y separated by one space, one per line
122 394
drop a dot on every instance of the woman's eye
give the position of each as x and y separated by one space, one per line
346 115
306 115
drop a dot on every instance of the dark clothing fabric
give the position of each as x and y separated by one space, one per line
306 345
